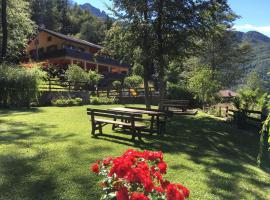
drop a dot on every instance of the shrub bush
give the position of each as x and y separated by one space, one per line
182 93
116 85
102 100
62 101
18 86
78 76
133 81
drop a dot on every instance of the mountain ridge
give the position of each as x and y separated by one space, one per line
252 36
95 11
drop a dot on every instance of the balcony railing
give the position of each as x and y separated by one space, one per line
79 55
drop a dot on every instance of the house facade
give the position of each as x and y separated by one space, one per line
61 50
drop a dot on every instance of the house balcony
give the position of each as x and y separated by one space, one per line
75 54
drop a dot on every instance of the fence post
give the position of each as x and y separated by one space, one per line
97 92
69 86
227 112
108 92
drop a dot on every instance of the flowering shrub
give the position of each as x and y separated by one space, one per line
137 176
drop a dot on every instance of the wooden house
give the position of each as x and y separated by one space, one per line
61 50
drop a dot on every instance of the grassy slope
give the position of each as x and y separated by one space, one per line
45 154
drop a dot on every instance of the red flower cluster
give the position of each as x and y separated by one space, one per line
137 175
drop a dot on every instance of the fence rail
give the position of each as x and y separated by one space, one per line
253 115
52 85
56 85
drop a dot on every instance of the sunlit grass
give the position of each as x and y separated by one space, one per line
45 154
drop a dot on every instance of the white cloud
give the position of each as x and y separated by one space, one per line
248 27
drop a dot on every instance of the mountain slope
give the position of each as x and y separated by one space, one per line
260 44
95 11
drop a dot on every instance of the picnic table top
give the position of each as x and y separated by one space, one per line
137 111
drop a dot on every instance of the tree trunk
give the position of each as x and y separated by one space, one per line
160 54
146 93
4 30
146 61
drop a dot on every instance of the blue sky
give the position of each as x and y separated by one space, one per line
255 14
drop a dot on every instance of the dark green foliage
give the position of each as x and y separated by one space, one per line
203 84
225 56
102 100
116 85
62 101
18 86
133 81
69 19
264 151
19 29
248 99
78 76
179 92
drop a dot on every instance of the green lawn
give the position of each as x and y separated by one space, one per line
45 154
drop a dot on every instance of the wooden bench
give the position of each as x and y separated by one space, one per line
128 121
181 104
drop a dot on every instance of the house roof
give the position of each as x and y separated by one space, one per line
227 93
71 39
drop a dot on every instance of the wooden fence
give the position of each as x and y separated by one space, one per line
52 85
124 92
252 115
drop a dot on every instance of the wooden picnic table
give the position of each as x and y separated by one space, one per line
100 118
155 117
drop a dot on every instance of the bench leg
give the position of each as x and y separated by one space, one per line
139 134
162 129
114 126
133 133
152 124
93 129
100 128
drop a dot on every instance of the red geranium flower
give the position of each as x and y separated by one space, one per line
164 184
95 168
138 196
173 193
159 189
184 189
107 161
122 194
162 167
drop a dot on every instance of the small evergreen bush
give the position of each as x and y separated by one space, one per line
62 101
102 100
